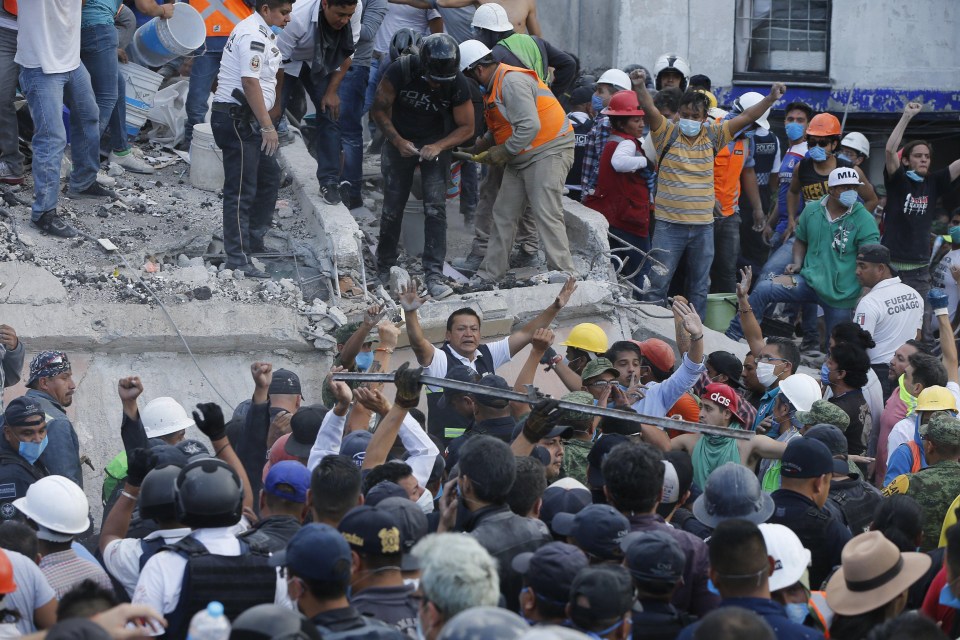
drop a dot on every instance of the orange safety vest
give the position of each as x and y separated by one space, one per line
727 167
917 462
221 16
553 121
10 6
821 611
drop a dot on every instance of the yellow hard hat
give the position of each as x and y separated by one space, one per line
936 399
587 337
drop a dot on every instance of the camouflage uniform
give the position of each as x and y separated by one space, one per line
341 335
825 412
575 451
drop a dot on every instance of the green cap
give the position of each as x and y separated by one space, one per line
598 366
343 333
577 397
942 428
825 412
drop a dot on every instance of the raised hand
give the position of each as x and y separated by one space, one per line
564 296
407 380
777 89
129 389
746 277
691 320
638 78
374 314
340 389
542 419
912 108
210 420
410 300
372 399
262 373
8 337
542 340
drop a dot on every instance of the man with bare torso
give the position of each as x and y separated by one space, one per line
522 13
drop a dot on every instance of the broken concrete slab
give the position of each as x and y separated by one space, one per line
27 284
587 233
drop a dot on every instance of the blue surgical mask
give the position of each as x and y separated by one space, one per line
277 30
845 157
712 588
848 198
955 234
947 599
825 375
797 612
913 175
597 103
690 128
363 360
30 451
818 154
795 130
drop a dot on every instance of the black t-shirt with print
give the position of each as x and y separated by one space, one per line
909 213
422 114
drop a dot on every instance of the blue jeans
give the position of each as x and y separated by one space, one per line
469 187
671 243
202 74
327 140
98 52
46 94
376 73
775 266
352 92
769 292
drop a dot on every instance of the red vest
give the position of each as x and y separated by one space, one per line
622 198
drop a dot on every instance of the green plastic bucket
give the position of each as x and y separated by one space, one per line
721 308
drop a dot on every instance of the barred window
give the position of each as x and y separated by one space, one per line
782 36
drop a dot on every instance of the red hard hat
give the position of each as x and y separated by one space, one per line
623 103
7 585
824 124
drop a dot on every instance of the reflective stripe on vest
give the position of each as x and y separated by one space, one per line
10 6
916 462
553 120
221 16
822 611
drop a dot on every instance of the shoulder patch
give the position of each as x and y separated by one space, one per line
8 491
257 46
7 511
898 486
255 63
264 31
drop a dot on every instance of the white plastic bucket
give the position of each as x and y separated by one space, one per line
136 115
160 41
206 159
141 87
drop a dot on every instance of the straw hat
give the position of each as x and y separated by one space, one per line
872 573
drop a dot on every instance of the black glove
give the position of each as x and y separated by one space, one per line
408 385
211 424
550 358
140 462
542 419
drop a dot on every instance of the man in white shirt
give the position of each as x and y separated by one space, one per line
945 274
892 312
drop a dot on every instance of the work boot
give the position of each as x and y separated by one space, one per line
251 271
8 175
521 259
470 264
53 224
330 192
94 191
437 288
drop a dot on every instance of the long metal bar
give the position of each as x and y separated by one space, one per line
533 396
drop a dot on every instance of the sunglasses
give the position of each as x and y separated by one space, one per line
822 142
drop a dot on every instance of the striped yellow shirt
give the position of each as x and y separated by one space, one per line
685 177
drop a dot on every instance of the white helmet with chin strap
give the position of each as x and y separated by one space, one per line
671 62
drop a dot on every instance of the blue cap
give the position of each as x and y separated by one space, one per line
806 458
288 480
458 373
23 412
551 569
383 490
598 452
564 496
316 552
654 556
354 446
371 531
597 529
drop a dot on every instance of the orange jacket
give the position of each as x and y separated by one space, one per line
221 16
553 121
727 167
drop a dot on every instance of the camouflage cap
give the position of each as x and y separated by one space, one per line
343 333
825 412
942 428
577 397
598 366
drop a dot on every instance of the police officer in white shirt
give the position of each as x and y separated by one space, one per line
892 312
245 108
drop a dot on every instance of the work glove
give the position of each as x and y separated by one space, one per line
938 300
495 155
211 423
542 419
408 385
140 462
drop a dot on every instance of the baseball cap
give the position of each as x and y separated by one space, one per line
597 529
47 364
601 592
304 427
371 531
566 495
729 365
876 253
658 353
653 556
723 395
671 484
458 373
790 558
413 526
572 415
284 382
288 480
383 490
598 452
316 552
825 412
192 448
23 412
354 445
595 367
581 95
842 176
836 442
942 428
806 458
495 383
551 569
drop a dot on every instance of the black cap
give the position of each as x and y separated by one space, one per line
654 556
835 440
304 427
413 526
600 449
877 254
806 458
383 490
601 592
581 95
563 496
284 382
597 529
494 399
23 412
193 449
551 569
458 373
728 364
371 531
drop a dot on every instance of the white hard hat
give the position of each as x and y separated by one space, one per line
56 503
471 51
749 99
617 78
790 557
163 416
856 141
842 176
671 61
801 390
492 17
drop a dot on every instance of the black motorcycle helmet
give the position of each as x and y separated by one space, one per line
405 41
272 622
209 494
158 494
440 57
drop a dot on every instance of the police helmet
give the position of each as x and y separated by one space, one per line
484 623
405 41
158 494
209 494
272 622
440 57
732 492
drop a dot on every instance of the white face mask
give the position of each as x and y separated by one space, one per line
766 373
420 633
425 502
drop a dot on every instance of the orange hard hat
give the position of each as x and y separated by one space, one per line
623 103
7 585
824 124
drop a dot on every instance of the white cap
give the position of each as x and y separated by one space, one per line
671 484
163 416
492 17
841 176
749 99
568 484
617 78
790 558
57 504
856 141
471 51
801 390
